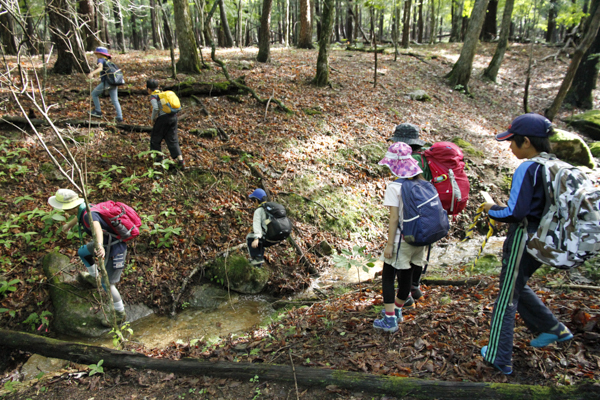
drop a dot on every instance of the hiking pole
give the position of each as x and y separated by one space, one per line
491 225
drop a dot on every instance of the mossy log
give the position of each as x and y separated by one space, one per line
38 122
307 377
206 89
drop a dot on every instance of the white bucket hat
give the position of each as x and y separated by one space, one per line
65 199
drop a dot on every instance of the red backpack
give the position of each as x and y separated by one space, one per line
123 219
445 160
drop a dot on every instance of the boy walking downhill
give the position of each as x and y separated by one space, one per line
528 135
103 57
410 134
270 226
68 201
164 118
399 259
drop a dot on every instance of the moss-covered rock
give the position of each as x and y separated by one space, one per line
238 274
419 95
467 147
486 264
210 297
571 148
587 123
595 149
75 310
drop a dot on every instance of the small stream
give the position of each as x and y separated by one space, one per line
245 312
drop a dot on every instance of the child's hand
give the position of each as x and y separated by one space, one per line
255 243
488 206
389 249
66 227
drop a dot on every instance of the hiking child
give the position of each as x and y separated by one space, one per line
165 124
528 135
68 201
398 265
270 226
103 57
410 134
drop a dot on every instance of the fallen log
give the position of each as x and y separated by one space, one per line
207 89
305 376
450 282
573 286
37 122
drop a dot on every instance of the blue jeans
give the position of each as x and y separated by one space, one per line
114 97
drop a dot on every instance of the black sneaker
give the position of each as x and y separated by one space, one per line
416 293
96 114
119 120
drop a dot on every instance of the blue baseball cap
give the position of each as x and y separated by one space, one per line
527 125
258 194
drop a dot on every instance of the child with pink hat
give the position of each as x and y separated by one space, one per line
398 262
103 57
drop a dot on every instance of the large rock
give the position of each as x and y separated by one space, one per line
210 297
76 309
236 273
587 123
571 148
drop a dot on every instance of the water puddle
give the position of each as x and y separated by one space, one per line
250 311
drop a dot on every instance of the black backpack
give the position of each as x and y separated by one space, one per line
279 226
114 75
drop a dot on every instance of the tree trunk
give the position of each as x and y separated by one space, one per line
135 37
207 24
489 30
322 76
551 29
32 38
154 21
584 83
433 23
457 10
264 39
225 25
119 25
349 28
70 55
305 39
305 376
8 34
338 14
189 60
286 22
491 72
586 42
406 23
87 15
461 72
420 23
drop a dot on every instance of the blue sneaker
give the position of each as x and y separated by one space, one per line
562 334
505 369
397 313
387 324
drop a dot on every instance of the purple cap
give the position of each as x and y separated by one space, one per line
527 125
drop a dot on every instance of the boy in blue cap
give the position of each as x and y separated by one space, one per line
256 239
103 57
528 135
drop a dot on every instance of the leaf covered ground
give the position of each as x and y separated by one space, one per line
326 151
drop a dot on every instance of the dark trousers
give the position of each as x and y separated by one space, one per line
258 252
517 267
165 127
388 277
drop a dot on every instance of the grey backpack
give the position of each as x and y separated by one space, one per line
569 231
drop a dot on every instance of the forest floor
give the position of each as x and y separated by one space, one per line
326 151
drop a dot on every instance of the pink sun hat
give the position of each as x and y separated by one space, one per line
398 158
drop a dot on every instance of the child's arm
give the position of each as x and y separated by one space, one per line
67 227
96 71
393 226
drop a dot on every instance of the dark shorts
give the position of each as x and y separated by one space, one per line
114 264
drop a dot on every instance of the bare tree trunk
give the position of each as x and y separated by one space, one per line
87 13
349 27
70 54
189 60
8 34
577 56
406 23
551 29
420 23
264 39
322 76
119 25
461 72
457 10
433 23
239 25
491 72
225 25
208 25
286 23
305 39
154 23
489 29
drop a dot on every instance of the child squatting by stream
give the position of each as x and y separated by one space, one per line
398 265
528 136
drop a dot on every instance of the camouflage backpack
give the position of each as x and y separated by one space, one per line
569 232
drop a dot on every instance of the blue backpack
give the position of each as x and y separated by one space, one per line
424 219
